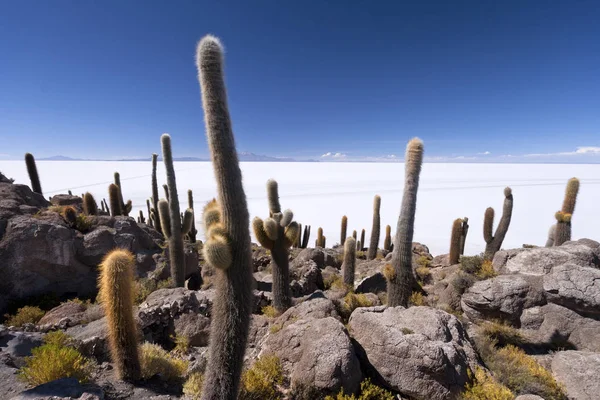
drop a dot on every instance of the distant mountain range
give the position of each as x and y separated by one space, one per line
243 156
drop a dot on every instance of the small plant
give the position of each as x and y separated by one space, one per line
58 338
471 264
334 282
276 328
154 360
486 271
193 386
407 331
423 273
182 344
352 301
484 387
25 315
270 312
502 333
54 360
368 391
416 299
83 223
260 381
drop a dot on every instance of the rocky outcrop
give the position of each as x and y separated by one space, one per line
66 388
421 352
575 287
578 371
321 257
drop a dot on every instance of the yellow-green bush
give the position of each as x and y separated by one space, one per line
416 299
486 271
193 386
484 387
260 381
423 273
182 344
334 282
368 391
502 333
154 360
54 360
270 312
25 315
352 301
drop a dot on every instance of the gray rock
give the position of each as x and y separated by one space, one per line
65 315
578 371
67 200
317 354
316 307
65 388
11 384
305 279
193 326
375 283
575 287
321 257
92 339
420 351
529 397
19 344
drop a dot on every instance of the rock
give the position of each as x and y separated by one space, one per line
9 376
375 283
19 200
529 397
19 344
421 352
92 339
65 388
321 257
315 307
578 371
555 327
195 327
575 287
65 315
541 260
503 297
317 354
305 279
67 200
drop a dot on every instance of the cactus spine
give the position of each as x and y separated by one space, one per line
234 301
400 277
116 294
495 242
455 241
175 233
375 230
113 197
362 240
192 231
563 217
153 213
344 229
90 207
387 242
349 264
36 187
277 233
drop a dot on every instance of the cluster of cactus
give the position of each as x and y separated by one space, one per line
375 230
561 231
460 228
116 295
495 242
125 207
36 186
344 230
399 274
227 246
321 240
174 226
90 207
277 233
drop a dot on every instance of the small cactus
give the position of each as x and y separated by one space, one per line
299 237
90 207
354 235
563 217
153 212
69 213
113 197
495 242
401 279
277 233
116 295
463 236
387 242
306 237
349 264
344 229
362 240
455 241
320 242
36 187
375 230
141 218
125 207
166 189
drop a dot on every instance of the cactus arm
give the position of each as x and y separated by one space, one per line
32 171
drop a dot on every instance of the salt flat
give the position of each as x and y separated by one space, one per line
321 193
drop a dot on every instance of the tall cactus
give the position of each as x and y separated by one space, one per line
175 233
362 240
354 234
349 264
153 213
277 233
90 207
305 237
387 242
375 230
125 207
563 217
400 276
495 242
193 232
233 303
455 241
116 294
298 241
115 203
463 235
344 229
36 187
320 242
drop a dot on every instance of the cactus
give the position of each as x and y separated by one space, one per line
551 236
320 242
344 229
166 189
233 303
349 263
36 187
69 213
113 197
70 193
125 207
192 231
173 231
299 237
375 230
563 217
400 279
387 242
455 241
153 213
495 242
305 237
277 233
362 240
463 235
90 207
116 294
102 205
141 219
354 234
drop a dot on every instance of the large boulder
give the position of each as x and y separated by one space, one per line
321 257
305 278
421 352
575 287
578 371
63 316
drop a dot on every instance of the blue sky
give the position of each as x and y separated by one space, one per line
481 80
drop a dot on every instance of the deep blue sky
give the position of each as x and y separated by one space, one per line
106 78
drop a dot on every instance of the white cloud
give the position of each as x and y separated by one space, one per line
485 153
329 154
588 150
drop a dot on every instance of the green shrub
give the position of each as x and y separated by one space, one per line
423 261
423 273
154 360
368 391
462 281
334 282
471 264
486 271
59 338
352 301
25 315
182 345
193 386
502 333
416 299
260 381
83 223
484 387
270 312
